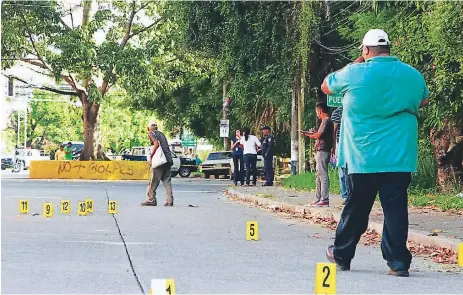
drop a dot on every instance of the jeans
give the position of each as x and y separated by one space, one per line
392 188
343 183
238 164
268 168
250 160
322 159
158 174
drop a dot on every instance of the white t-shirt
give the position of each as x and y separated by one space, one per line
250 144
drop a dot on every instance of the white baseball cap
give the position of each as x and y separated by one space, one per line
375 37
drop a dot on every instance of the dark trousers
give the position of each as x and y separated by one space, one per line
268 168
238 163
392 188
250 160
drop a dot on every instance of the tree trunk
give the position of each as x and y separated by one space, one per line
447 143
90 115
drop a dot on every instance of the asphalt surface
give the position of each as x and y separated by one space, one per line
202 248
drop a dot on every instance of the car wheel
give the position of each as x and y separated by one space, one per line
184 171
173 173
207 175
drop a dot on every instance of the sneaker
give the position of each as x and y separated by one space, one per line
314 203
399 273
330 256
149 203
322 204
169 204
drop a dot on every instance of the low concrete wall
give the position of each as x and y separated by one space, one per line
96 170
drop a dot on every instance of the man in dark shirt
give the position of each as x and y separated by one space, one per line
268 146
323 146
160 173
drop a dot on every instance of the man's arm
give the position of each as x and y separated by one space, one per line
337 82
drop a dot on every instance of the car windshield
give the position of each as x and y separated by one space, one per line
218 156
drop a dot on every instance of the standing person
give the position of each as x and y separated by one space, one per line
238 161
336 117
250 145
68 151
197 160
268 146
323 146
161 173
60 155
379 145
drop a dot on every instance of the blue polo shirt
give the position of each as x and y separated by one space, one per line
380 107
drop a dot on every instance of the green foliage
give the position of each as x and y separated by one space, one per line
307 181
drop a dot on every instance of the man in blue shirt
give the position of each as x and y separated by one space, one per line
379 146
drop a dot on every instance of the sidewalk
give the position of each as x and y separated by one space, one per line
427 226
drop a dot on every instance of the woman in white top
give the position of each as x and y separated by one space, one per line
251 145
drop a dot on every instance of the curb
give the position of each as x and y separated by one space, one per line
418 237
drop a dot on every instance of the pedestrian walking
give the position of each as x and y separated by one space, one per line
250 146
160 161
336 117
238 160
379 146
60 155
323 146
268 147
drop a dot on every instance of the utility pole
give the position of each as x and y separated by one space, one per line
294 130
25 126
224 112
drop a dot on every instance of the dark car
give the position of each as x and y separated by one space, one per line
187 165
7 163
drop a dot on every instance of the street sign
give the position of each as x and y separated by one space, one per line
188 141
335 100
224 128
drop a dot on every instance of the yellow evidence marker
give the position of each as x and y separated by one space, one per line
159 287
325 278
23 206
460 254
82 210
65 206
112 207
89 205
252 230
47 209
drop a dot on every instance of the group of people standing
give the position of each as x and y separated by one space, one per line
245 148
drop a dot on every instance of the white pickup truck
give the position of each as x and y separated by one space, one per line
27 155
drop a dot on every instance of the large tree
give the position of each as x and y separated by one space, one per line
91 47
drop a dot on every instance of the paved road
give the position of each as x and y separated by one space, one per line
202 248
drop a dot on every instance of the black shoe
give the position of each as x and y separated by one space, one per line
267 184
330 256
149 203
169 204
399 273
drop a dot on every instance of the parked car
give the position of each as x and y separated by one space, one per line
187 165
259 165
216 163
140 153
7 163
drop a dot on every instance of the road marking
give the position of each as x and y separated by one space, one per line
109 243
57 198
